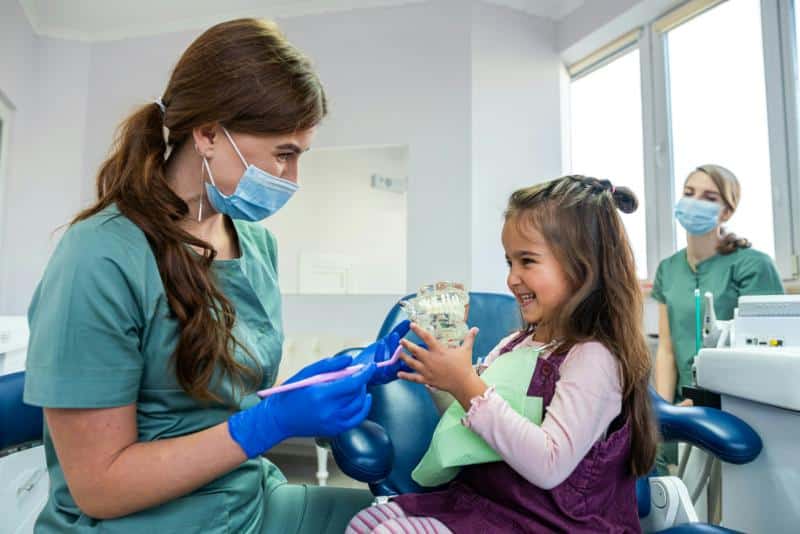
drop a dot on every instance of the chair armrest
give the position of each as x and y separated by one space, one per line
364 453
719 433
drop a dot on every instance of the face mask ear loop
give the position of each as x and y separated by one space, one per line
236 148
202 192
208 170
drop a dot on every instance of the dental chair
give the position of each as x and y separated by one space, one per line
386 447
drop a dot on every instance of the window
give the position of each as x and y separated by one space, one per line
606 136
711 81
718 110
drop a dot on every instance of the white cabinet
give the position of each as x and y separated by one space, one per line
25 484
23 492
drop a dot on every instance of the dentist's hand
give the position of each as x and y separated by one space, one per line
382 350
323 410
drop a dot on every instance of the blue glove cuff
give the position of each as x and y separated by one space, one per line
249 433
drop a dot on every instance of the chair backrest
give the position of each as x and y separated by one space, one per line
19 423
406 411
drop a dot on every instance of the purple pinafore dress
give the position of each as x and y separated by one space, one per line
599 495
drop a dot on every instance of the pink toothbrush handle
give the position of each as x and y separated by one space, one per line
395 357
325 377
310 381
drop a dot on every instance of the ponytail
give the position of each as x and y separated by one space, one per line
730 243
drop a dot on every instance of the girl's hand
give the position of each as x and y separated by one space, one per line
445 368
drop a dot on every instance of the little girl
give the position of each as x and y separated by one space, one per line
572 271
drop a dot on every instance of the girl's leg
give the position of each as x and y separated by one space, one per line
389 518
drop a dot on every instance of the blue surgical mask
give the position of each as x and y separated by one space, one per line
257 196
698 217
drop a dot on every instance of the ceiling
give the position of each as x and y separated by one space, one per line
101 20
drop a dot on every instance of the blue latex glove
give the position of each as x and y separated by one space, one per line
382 350
323 410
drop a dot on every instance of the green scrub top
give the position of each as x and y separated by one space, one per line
743 272
102 335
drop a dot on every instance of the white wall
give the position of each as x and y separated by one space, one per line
123 75
516 130
46 81
339 234
397 76
471 89
596 24
17 69
590 17
401 76
18 43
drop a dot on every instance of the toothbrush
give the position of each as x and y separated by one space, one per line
326 377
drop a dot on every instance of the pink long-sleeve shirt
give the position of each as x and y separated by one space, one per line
588 397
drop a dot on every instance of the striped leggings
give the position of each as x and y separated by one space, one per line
389 518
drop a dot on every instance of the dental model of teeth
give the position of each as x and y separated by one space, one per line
442 309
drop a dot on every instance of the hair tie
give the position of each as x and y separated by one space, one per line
164 130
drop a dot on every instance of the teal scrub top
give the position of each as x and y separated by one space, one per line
743 272
102 335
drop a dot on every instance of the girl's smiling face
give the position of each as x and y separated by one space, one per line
535 276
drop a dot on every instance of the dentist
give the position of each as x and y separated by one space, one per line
159 314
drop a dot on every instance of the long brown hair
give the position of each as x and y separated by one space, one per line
577 216
244 75
730 191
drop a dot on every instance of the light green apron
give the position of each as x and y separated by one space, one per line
453 445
